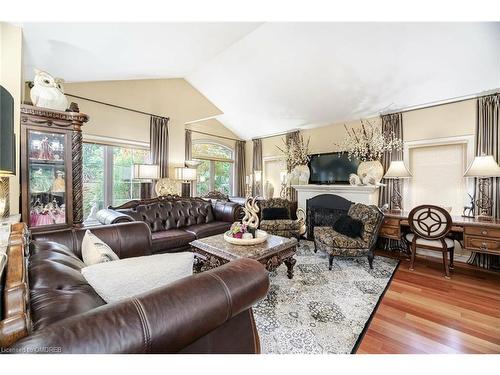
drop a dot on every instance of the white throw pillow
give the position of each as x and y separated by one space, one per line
95 251
125 278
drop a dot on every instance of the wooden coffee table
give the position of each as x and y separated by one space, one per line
214 251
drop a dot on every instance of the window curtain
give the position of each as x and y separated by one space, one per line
188 144
291 138
239 168
158 135
487 142
391 124
257 166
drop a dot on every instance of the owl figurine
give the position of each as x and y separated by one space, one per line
47 92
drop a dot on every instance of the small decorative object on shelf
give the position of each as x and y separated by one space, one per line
470 210
51 168
47 92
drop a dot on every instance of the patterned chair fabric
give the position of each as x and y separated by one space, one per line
335 244
284 227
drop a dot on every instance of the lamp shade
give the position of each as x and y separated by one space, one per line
398 169
258 176
185 174
7 138
483 167
146 171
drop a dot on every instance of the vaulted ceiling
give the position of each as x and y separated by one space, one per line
272 77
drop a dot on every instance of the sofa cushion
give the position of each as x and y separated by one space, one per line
210 229
122 279
58 290
94 250
171 239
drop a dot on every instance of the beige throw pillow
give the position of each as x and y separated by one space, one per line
96 251
125 278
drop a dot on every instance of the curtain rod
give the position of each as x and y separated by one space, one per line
116 106
214 135
276 135
443 102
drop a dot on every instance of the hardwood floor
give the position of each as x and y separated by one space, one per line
422 312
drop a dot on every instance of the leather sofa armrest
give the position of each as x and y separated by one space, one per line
108 216
227 211
165 320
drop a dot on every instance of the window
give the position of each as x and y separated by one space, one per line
107 176
216 169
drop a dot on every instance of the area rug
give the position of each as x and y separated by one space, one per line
320 311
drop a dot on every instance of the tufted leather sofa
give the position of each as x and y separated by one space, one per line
204 313
175 222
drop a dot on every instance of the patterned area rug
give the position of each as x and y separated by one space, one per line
320 311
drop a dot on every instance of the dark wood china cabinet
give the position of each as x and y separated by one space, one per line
51 168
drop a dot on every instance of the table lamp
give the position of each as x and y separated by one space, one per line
257 181
146 173
484 167
397 170
186 175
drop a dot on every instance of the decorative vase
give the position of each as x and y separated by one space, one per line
302 174
372 168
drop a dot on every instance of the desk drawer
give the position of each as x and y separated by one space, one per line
390 232
483 232
391 222
482 244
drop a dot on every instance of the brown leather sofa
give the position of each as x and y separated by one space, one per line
208 312
175 222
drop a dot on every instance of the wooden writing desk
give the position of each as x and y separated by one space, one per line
478 235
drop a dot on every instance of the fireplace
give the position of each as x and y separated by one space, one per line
324 210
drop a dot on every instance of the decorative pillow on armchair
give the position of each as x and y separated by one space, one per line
348 226
275 213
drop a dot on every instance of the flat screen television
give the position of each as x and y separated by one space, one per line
331 168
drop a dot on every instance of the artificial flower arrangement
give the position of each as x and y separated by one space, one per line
368 143
296 151
240 231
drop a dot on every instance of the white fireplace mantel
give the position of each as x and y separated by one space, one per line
358 194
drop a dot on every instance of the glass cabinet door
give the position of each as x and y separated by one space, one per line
47 180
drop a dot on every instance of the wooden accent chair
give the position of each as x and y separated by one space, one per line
336 244
430 226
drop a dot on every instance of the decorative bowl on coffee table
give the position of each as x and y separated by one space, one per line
260 237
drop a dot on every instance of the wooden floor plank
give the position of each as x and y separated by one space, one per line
422 312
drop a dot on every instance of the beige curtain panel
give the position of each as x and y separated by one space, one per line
188 144
392 123
487 142
257 164
158 135
239 168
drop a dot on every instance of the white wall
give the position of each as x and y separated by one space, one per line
11 80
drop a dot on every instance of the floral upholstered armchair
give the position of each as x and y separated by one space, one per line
337 244
277 218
